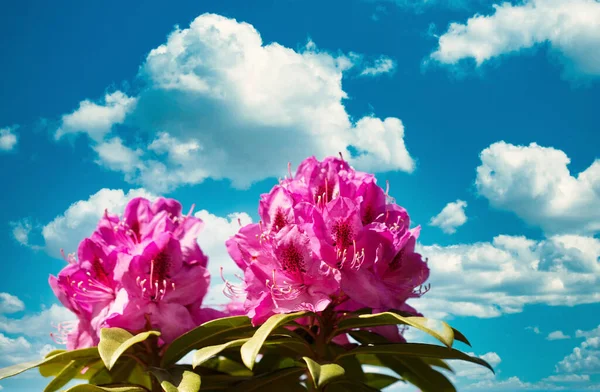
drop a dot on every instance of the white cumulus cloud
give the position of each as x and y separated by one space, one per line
36 325
97 119
535 183
214 95
490 279
8 138
569 27
585 358
451 217
10 304
557 335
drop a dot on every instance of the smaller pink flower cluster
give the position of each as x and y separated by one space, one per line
328 236
144 271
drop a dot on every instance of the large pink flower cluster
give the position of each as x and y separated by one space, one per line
142 271
328 236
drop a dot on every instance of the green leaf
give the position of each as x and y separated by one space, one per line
95 388
64 356
251 348
205 353
223 365
418 373
271 361
460 337
438 363
285 380
414 370
379 381
323 374
177 381
348 386
65 375
115 341
438 329
353 368
209 333
221 382
417 350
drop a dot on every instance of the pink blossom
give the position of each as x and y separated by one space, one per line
144 270
327 235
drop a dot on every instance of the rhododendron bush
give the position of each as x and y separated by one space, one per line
324 280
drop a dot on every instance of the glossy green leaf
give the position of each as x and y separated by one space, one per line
348 386
223 365
285 380
64 356
353 368
205 353
210 333
177 379
251 348
379 381
418 373
221 382
323 374
271 361
184 381
68 372
460 337
115 341
96 388
438 363
414 370
438 329
53 368
418 350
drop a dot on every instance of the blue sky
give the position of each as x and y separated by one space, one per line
104 101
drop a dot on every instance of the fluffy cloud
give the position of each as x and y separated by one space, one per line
10 304
80 219
13 350
567 378
115 155
586 357
569 27
490 279
214 94
8 138
535 183
451 217
97 119
36 325
26 338
380 66
557 335
512 384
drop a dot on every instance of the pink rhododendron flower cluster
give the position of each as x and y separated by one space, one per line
328 237
142 271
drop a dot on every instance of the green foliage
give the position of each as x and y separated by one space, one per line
251 348
323 374
281 354
115 341
210 333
